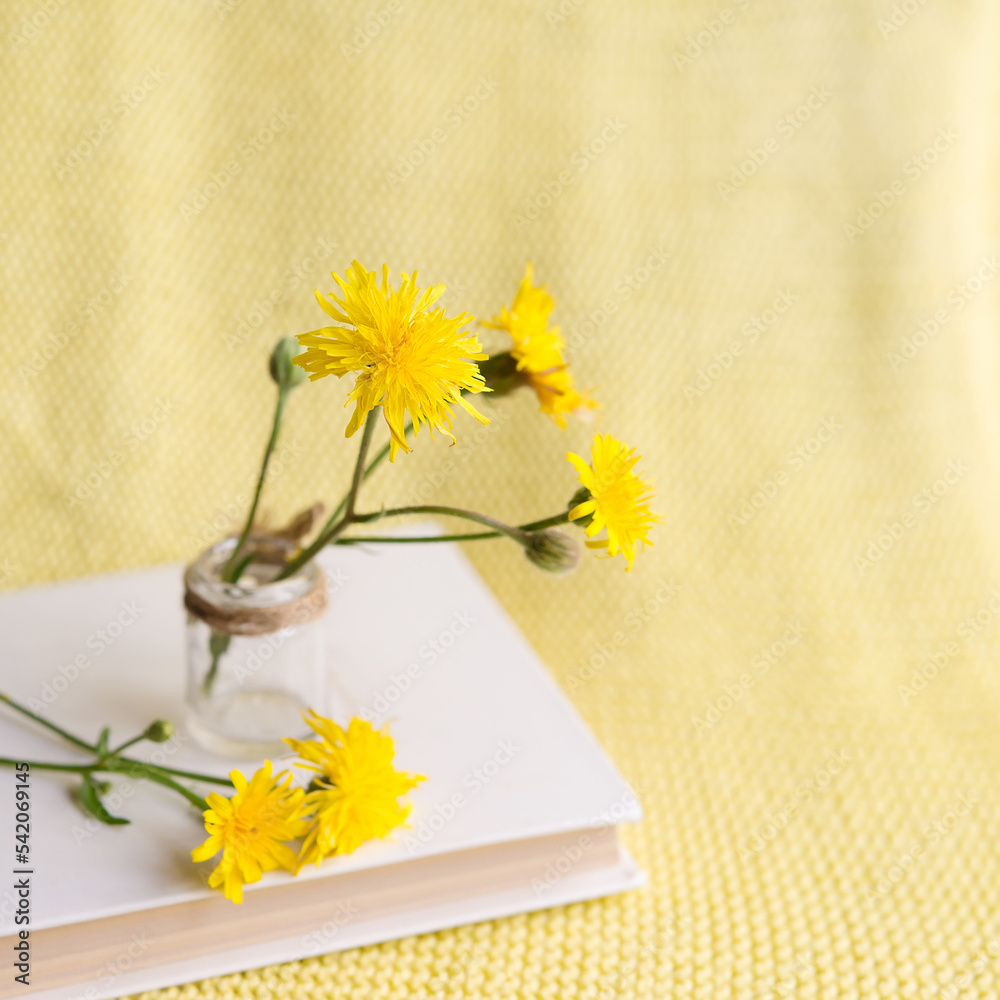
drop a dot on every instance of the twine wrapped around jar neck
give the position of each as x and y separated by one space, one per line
228 615
244 620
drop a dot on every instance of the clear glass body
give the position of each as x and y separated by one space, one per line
259 685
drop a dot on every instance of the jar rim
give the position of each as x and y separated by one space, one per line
202 576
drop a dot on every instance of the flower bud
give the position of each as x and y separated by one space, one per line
553 551
282 367
582 495
159 731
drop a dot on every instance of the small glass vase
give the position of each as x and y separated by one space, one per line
254 650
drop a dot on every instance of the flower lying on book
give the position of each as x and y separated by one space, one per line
251 829
357 790
354 796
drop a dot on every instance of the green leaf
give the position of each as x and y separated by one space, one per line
102 741
92 803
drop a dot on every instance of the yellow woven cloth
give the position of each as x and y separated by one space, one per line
771 228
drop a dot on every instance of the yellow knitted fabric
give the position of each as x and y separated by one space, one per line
771 230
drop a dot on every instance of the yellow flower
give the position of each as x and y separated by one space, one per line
359 789
407 357
250 829
538 351
618 500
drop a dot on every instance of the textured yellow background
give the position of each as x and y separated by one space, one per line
837 903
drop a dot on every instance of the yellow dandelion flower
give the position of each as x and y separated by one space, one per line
538 351
408 358
618 500
359 789
250 830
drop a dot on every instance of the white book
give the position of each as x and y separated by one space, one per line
519 811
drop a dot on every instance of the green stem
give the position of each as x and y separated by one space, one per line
7 700
97 765
547 522
329 534
39 765
474 536
382 455
517 534
279 410
136 769
124 746
218 644
193 775
125 762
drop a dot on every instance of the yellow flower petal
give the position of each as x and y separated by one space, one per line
538 351
360 789
413 362
251 829
619 500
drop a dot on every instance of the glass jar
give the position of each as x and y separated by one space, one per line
254 650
